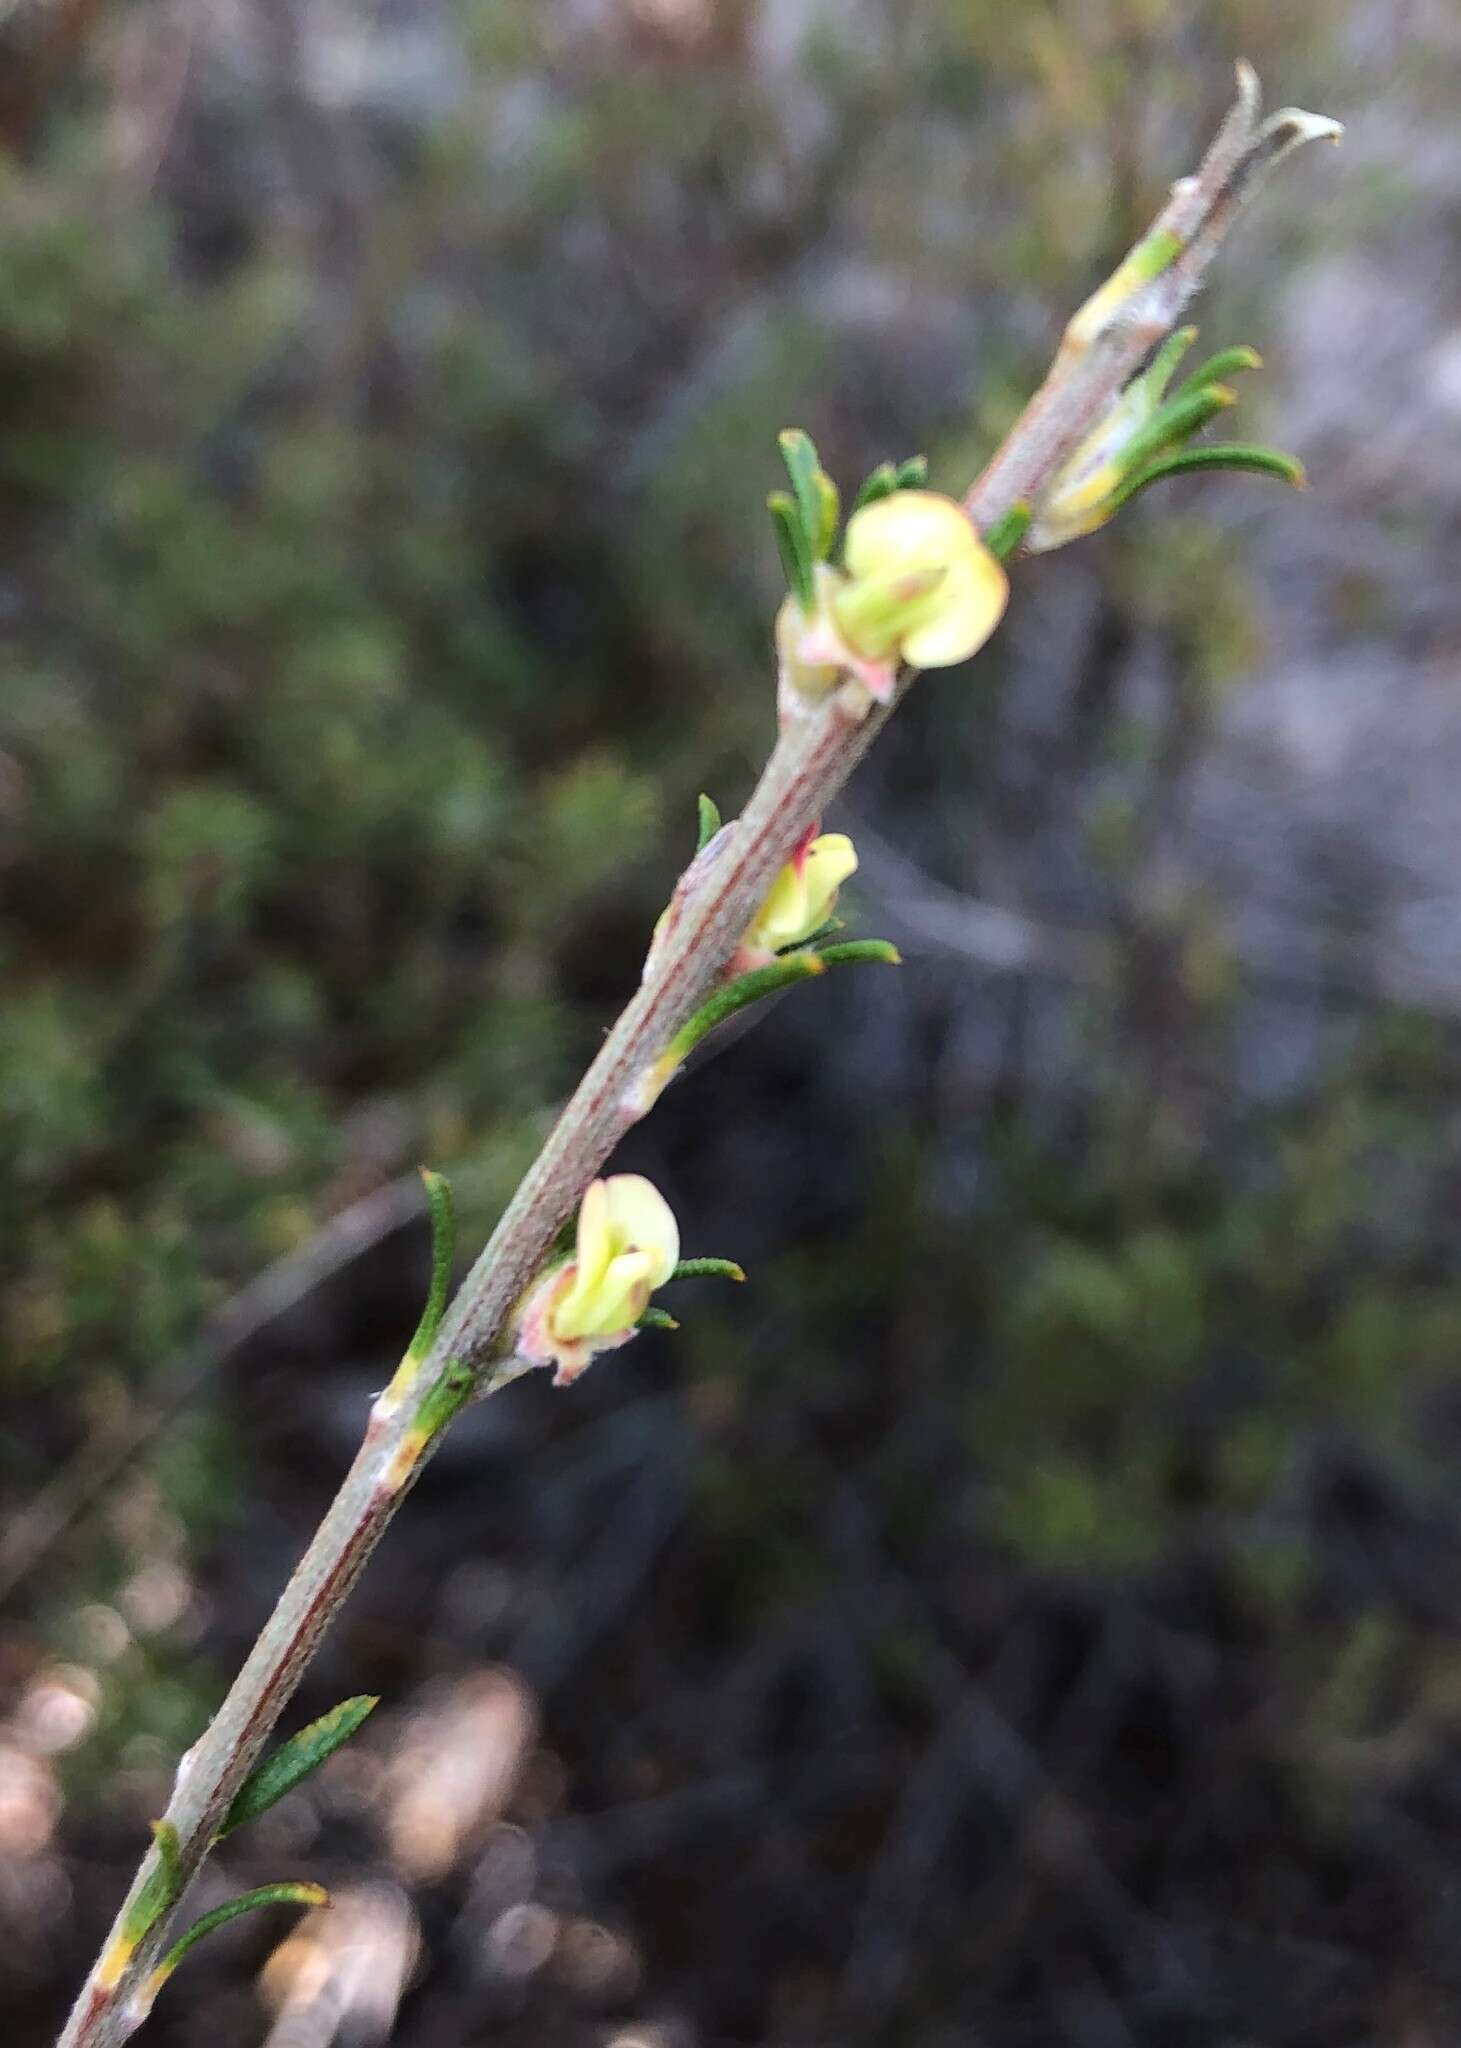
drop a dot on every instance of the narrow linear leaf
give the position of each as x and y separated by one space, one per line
770 980
811 487
1219 455
1157 250
168 1846
908 475
1224 364
881 484
851 951
161 1887
443 1255
1176 420
709 821
738 995
1166 359
794 548
656 1319
1006 534
294 1760
445 1399
707 1269
285 1894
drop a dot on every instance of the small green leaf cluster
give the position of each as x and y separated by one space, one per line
806 519
1150 434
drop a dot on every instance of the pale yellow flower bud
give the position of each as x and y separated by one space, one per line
1085 492
801 899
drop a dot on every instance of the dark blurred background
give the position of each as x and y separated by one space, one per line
1030 1612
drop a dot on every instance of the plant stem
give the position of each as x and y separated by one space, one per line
812 759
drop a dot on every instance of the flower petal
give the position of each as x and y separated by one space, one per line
973 607
910 529
641 1219
594 1245
830 859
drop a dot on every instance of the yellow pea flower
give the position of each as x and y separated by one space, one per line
800 900
921 585
628 1243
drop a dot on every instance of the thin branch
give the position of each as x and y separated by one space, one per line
812 759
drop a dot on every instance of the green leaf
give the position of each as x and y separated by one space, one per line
286 1894
1223 364
1219 455
1157 250
446 1398
1006 534
707 1269
443 1255
1164 362
781 973
909 475
738 995
689 1269
794 547
1175 422
851 951
168 1846
814 490
831 502
881 484
709 821
161 1888
295 1759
